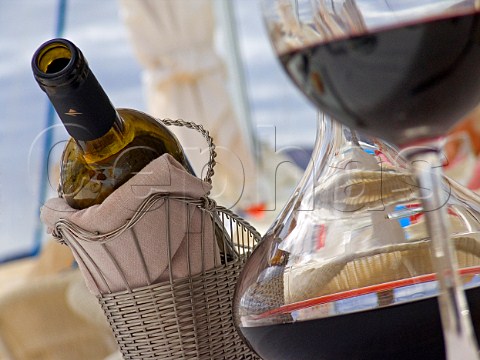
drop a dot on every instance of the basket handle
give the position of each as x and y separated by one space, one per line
208 139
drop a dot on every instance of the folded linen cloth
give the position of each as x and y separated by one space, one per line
173 238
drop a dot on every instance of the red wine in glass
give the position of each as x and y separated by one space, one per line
407 330
400 84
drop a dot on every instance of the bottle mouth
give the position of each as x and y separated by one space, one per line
57 62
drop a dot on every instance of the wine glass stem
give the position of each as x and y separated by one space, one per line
460 342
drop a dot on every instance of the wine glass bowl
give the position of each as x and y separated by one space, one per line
374 234
404 73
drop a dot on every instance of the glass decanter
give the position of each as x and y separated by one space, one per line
403 70
345 271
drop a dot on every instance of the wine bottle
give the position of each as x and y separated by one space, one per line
107 145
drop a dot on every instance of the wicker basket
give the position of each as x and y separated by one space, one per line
184 318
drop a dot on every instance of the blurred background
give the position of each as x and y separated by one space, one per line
266 104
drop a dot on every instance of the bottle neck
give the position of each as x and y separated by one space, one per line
116 138
81 103
337 146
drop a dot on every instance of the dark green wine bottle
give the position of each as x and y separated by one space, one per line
107 146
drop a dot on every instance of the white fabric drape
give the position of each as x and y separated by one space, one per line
185 78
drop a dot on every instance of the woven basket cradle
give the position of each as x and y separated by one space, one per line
184 318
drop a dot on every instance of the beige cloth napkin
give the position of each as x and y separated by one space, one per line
172 239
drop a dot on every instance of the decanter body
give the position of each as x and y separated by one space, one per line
351 247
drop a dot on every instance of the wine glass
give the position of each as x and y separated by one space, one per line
404 71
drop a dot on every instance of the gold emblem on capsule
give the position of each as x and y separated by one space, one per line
73 112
